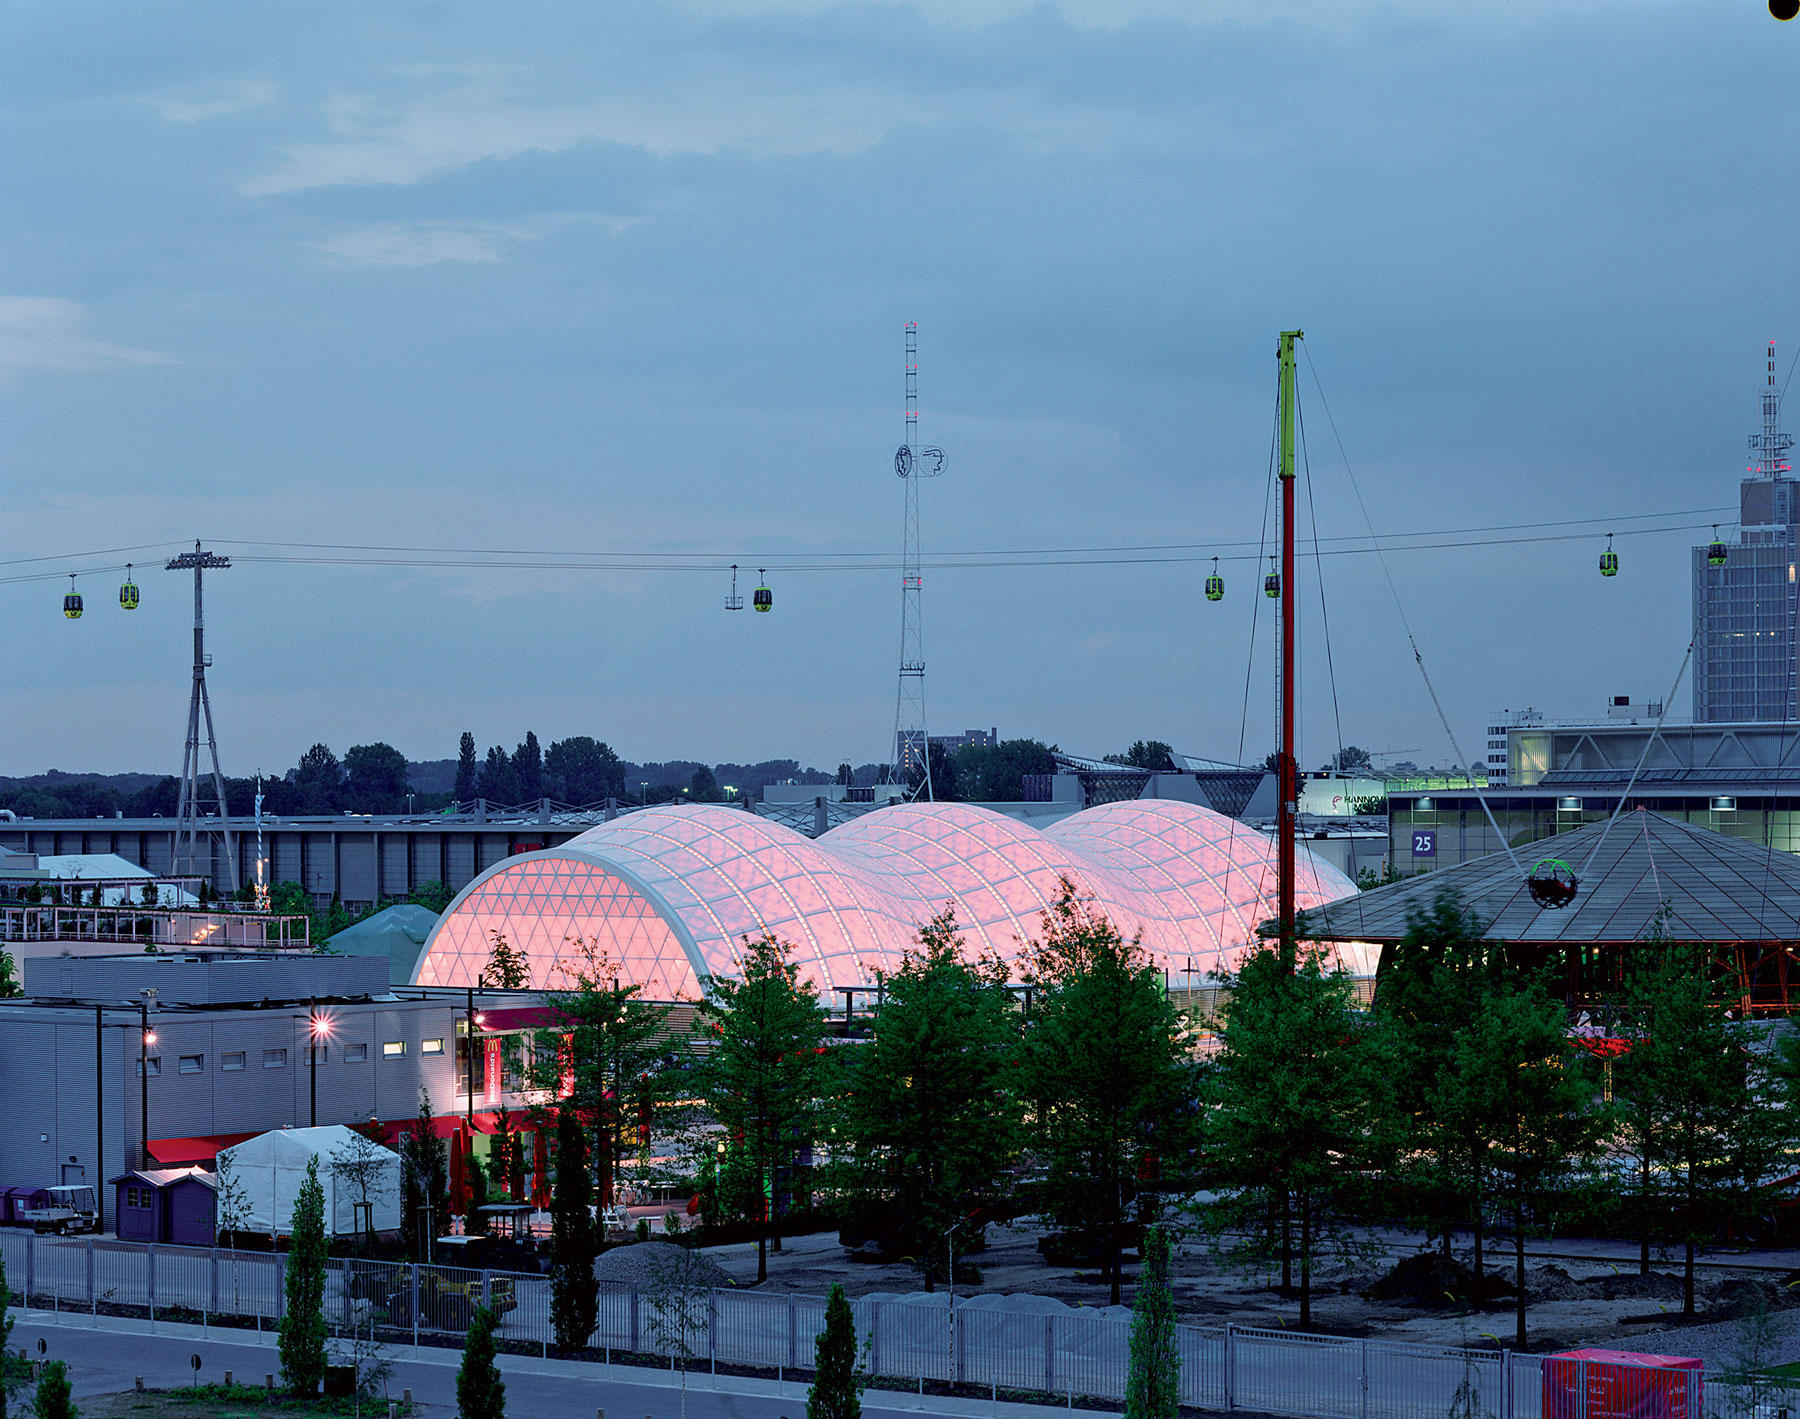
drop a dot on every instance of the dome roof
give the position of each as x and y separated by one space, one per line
668 893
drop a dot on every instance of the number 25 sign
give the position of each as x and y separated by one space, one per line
1424 842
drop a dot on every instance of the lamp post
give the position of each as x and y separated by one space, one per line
318 1029
146 1038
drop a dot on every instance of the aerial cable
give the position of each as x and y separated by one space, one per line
1026 560
1418 658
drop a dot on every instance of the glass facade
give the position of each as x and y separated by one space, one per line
1744 630
1463 832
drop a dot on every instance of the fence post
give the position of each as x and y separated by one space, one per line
1581 1399
150 1279
213 1304
1506 1387
712 1328
631 1299
413 1272
793 1332
1049 1354
1363 1356
30 1262
957 1349
1230 1366
93 1295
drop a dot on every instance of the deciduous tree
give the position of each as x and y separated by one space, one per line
759 1067
928 1119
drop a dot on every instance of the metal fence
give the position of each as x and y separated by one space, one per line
1049 1354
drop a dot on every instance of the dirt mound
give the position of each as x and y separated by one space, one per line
1428 1280
1633 1286
1552 1283
646 1263
1744 1295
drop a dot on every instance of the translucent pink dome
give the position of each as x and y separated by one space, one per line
669 893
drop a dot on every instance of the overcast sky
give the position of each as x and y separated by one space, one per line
632 279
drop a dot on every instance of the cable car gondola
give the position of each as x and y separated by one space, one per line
72 602
1715 552
1215 584
763 599
128 592
1553 883
1609 559
734 602
1272 582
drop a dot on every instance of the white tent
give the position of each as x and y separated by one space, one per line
269 1169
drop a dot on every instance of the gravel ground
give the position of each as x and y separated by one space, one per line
1573 1303
639 1264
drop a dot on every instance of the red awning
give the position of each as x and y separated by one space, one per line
185 1152
522 1017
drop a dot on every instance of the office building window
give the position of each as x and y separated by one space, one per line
431 1046
274 1059
355 1054
306 1054
231 1059
151 1066
192 1063
394 1049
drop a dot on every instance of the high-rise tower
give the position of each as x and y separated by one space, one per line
1745 607
912 751
193 825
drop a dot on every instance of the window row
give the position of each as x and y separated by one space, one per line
232 1060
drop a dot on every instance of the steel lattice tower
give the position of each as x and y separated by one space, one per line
191 826
912 747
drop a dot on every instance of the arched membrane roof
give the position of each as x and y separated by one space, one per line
668 894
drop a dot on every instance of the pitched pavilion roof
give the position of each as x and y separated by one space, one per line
1718 888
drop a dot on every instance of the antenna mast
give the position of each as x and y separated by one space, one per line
912 745
190 825
1771 443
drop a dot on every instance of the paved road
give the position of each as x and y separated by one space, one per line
108 1357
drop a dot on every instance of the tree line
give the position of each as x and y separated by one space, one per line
1460 1102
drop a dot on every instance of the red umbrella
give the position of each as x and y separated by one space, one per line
540 1169
459 1197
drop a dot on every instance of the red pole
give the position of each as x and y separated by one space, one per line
1287 777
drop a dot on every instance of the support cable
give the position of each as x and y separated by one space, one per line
1638 768
1394 591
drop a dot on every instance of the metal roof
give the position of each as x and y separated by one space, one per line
1717 888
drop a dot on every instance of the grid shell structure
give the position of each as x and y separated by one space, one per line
668 894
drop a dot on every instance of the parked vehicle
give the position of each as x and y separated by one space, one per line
65 1208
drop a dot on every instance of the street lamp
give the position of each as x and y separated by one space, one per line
318 1030
146 1038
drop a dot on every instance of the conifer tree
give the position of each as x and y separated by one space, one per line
759 1074
574 1290
302 1336
480 1392
1152 1384
1297 1101
1104 1064
54 1399
838 1379
12 1370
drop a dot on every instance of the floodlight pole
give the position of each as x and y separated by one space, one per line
1287 776
144 1041
312 1060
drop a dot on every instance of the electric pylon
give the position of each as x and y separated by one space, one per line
191 825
